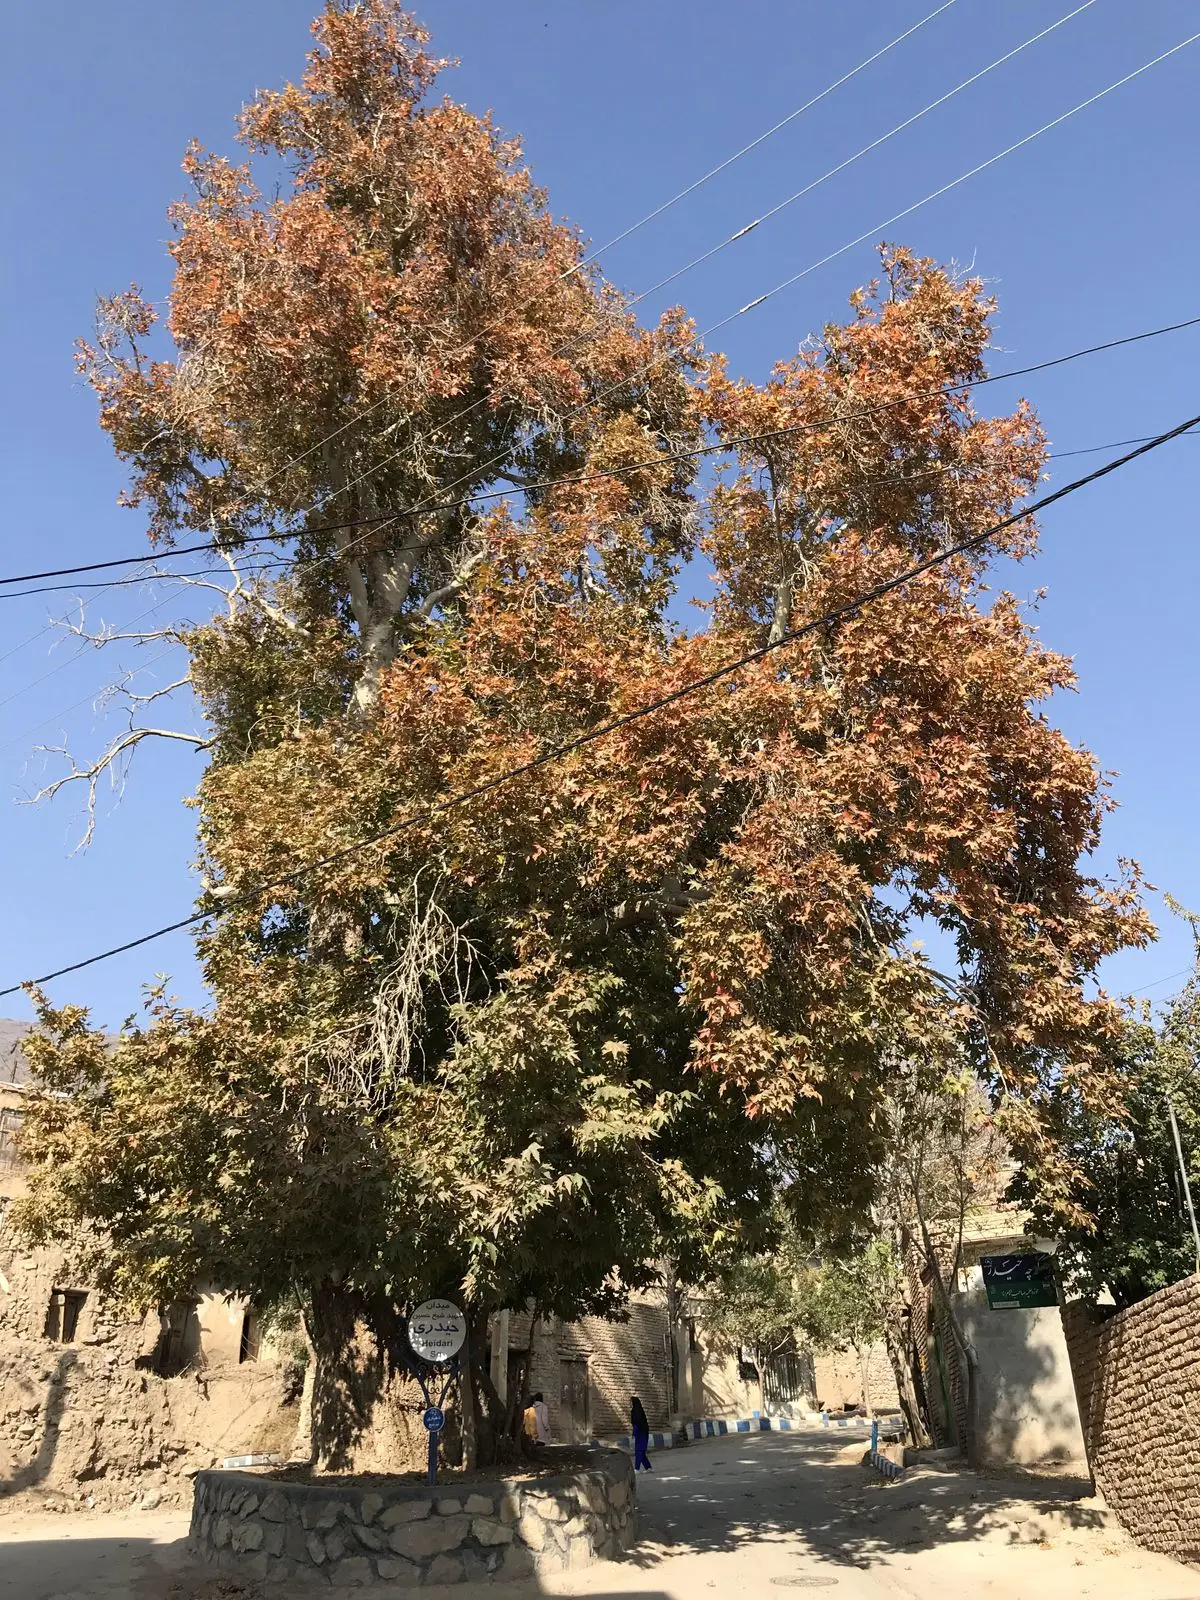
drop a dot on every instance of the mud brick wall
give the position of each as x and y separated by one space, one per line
839 1379
1137 1379
87 1423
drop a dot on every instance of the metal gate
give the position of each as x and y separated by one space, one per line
787 1377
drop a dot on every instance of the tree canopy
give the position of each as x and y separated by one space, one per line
604 1011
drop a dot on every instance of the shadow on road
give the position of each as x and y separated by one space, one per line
817 1494
133 1568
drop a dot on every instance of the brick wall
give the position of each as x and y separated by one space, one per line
622 1359
1137 1378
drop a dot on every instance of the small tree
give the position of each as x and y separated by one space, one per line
1135 1233
850 1303
945 1160
757 1305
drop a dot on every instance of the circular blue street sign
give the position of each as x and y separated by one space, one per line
434 1419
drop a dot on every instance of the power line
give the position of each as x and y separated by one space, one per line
833 172
651 216
775 210
795 278
267 564
619 238
19 738
567 747
662 458
791 117
751 305
264 564
53 672
1183 972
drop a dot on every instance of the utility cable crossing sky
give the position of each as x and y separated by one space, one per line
851 608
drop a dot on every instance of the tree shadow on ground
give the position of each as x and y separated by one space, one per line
841 1512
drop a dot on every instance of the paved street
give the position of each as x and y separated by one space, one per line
744 1517
751 1517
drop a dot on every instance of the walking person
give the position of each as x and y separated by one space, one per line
641 1436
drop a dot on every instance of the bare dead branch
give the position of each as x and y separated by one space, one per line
365 1060
112 762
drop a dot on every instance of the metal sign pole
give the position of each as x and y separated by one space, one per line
437 1331
1183 1173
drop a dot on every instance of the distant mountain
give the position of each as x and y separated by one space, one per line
13 1067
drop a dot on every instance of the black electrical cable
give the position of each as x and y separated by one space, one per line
664 458
556 752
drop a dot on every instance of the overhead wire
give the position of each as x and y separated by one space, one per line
1184 972
619 238
90 698
748 228
592 256
796 277
383 518
661 458
628 232
867 149
837 614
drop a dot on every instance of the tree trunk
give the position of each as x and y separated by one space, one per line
672 1342
477 1451
864 1380
906 1388
304 1444
964 1346
349 1374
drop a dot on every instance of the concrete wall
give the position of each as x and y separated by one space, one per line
1137 1376
1027 1408
715 1386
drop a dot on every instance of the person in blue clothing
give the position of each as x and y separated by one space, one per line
641 1436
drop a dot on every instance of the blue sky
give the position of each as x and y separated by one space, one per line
1089 233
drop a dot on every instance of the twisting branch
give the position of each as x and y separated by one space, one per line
109 761
457 582
109 635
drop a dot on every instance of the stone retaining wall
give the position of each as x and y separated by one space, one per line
262 1527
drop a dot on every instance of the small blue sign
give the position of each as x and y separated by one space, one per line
434 1419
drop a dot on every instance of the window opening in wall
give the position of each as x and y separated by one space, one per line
251 1337
10 1122
62 1315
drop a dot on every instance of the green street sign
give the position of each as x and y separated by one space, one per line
1019 1282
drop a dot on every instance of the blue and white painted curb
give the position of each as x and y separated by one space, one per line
889 1469
656 1441
722 1427
714 1427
